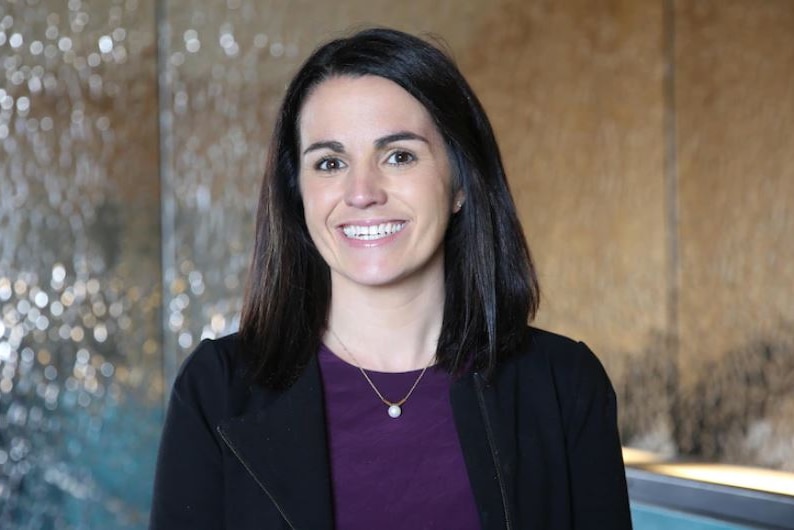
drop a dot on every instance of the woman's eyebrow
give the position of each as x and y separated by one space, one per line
380 143
336 147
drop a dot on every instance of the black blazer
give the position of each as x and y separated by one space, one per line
540 443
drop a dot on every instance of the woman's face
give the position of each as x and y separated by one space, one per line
375 181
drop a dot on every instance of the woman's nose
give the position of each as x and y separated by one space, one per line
364 188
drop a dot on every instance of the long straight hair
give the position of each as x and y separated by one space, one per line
491 287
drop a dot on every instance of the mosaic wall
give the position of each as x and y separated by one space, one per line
80 356
133 140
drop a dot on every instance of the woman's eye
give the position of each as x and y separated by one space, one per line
329 164
400 158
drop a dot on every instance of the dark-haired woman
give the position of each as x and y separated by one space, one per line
384 375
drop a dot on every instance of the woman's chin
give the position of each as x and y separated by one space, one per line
371 278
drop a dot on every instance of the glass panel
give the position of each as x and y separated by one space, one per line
80 358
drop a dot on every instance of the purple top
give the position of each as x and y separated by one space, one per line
404 473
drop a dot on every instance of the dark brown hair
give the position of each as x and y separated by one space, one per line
491 287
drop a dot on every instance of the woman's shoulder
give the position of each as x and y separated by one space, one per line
217 357
213 375
540 342
566 358
553 368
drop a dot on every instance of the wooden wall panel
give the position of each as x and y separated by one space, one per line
735 129
574 90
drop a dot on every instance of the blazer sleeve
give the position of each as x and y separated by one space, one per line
188 486
599 494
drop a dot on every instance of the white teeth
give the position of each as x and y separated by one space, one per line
371 232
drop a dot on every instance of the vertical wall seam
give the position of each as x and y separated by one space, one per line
671 175
672 335
167 199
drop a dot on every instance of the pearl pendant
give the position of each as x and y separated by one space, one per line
395 411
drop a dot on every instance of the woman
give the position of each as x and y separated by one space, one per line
384 375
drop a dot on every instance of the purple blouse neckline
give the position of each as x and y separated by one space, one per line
397 473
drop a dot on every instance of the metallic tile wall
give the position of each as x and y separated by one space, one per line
80 347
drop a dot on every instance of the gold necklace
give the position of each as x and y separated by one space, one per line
395 407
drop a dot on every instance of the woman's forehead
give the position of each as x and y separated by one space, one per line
364 105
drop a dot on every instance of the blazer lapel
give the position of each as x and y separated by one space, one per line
489 457
283 446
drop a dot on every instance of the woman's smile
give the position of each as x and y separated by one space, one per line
372 231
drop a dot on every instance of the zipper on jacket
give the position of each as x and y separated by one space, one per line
256 479
492 445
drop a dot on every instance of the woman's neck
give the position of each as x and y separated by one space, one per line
385 329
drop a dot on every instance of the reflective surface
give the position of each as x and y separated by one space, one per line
645 517
80 377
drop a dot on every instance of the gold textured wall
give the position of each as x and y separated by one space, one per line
650 149
734 87
574 90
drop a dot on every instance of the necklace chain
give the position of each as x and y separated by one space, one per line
394 406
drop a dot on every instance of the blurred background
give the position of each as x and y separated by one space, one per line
649 146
